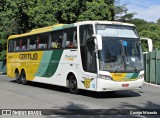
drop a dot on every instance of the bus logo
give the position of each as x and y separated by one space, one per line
118 74
29 56
87 82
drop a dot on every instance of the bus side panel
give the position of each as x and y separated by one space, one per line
11 64
28 61
70 63
48 67
61 64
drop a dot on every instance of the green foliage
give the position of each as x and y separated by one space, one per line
145 29
140 24
158 21
148 30
153 32
97 10
2 55
20 16
121 12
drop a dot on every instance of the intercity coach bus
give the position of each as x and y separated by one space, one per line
90 55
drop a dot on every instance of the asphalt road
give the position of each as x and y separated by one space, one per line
44 96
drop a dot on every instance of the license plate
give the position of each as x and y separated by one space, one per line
125 85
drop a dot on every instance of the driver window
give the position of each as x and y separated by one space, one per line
86 31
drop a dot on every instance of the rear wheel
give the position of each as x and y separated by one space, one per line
17 77
73 84
23 78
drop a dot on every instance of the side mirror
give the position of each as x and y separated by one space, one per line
149 42
98 41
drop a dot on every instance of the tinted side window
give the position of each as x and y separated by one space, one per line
32 42
42 41
87 48
56 39
11 46
86 31
24 44
70 38
17 45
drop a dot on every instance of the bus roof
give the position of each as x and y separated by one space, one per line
61 26
36 31
105 22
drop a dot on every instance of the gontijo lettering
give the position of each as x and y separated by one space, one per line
29 56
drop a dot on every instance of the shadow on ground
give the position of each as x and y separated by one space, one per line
99 95
81 111
77 110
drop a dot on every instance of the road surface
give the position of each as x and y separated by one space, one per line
44 96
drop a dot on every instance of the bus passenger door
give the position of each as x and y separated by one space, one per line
88 57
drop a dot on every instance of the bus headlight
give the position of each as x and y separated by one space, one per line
106 77
141 76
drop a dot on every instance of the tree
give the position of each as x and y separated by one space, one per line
97 10
121 12
24 15
153 32
158 21
20 16
140 24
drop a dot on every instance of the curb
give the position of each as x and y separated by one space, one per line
150 84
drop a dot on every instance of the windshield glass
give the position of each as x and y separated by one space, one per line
120 54
116 31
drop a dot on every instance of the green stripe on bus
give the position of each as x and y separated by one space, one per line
58 27
44 63
63 26
68 26
53 64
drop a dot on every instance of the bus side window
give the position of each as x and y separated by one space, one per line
56 41
42 41
17 45
24 44
86 32
32 43
75 39
20 43
64 40
49 40
11 46
53 40
71 39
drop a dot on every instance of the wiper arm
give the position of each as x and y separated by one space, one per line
116 69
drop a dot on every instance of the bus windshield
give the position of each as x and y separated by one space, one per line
120 52
116 31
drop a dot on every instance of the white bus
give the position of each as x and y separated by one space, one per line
90 55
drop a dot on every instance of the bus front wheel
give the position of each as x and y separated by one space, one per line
73 84
23 78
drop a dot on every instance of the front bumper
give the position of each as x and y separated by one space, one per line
109 85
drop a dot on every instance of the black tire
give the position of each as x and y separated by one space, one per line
23 78
17 77
73 85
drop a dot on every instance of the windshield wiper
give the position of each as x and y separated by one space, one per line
116 69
